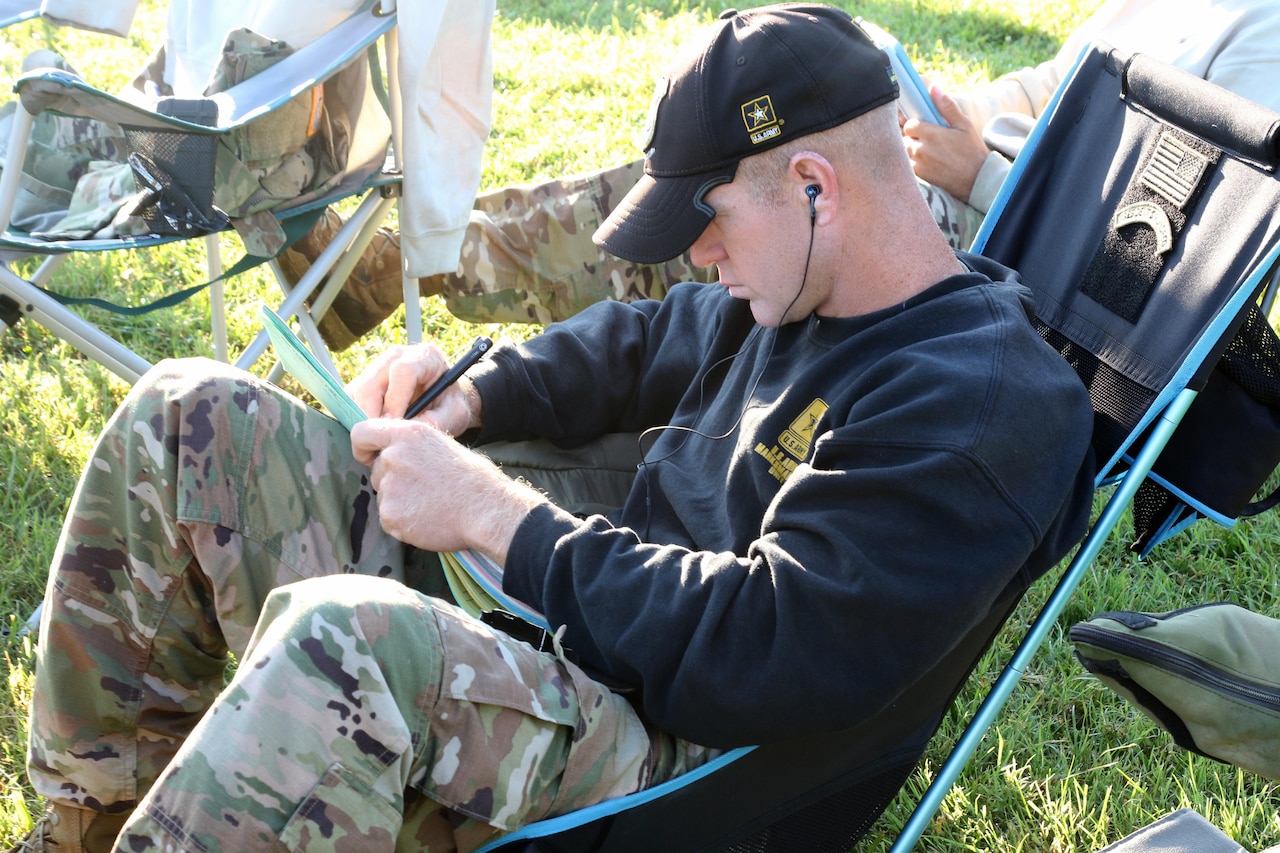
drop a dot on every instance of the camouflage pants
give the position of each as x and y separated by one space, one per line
526 257
527 254
356 701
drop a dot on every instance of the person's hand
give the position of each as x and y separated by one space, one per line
949 158
388 385
435 494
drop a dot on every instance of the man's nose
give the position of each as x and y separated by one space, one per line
707 249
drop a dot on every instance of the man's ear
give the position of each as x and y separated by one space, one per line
813 178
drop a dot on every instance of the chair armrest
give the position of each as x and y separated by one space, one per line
54 90
63 92
303 69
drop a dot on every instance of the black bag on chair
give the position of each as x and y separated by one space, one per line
1229 442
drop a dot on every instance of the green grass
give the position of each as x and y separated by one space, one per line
1069 767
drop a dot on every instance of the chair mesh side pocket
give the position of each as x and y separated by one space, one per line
176 172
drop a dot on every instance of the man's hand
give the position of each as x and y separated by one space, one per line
389 384
437 495
947 157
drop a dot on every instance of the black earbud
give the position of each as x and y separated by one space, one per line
813 191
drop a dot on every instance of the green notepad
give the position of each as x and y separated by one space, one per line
299 361
474 579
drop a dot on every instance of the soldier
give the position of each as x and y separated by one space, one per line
823 430
962 166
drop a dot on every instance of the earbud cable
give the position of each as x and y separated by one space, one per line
690 431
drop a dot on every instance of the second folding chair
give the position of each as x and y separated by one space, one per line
177 149
1145 216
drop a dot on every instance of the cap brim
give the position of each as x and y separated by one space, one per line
660 218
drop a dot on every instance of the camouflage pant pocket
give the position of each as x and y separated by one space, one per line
499 731
519 734
342 812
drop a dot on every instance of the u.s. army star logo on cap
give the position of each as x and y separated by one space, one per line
760 120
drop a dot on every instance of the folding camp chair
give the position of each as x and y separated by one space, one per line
178 140
1144 347
1145 215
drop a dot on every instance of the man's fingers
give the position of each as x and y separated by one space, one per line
948 108
369 438
408 377
387 386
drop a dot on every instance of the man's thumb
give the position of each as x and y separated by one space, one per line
947 106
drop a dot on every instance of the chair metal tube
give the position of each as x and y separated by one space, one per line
986 715
217 297
87 338
19 136
412 298
294 301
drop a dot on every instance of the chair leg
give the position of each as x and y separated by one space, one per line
217 298
412 311
294 303
19 136
32 625
68 326
1039 631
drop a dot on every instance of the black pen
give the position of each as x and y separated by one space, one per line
477 351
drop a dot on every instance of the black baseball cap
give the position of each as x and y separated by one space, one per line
763 77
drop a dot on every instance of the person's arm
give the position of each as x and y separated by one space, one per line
947 156
389 384
955 158
995 168
437 495
615 367
1025 91
870 560
580 379
446 86
857 584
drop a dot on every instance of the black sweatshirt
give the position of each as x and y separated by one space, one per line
840 501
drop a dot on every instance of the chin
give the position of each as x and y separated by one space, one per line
764 316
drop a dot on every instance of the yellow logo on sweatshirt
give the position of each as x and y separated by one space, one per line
795 442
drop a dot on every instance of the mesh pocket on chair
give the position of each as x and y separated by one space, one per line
176 170
1229 442
1118 402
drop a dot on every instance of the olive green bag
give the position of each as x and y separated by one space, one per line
1209 675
